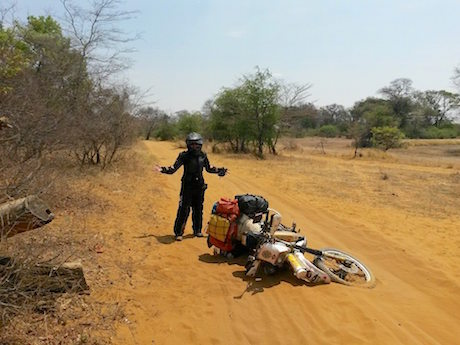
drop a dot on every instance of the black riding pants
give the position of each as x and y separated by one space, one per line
190 196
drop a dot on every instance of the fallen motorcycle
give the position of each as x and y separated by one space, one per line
239 223
278 246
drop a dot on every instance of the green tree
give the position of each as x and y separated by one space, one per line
328 131
260 96
399 93
335 114
166 129
447 132
228 121
57 102
369 113
296 119
188 122
13 58
41 86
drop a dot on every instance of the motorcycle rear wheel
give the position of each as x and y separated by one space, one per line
345 269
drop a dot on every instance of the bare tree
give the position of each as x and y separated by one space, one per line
100 111
96 35
441 105
334 114
150 118
291 95
7 9
456 78
401 87
20 172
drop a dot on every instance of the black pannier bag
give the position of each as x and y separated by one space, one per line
252 204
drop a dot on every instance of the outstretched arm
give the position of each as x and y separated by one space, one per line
173 168
212 169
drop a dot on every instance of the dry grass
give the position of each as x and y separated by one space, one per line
29 313
433 153
34 315
431 142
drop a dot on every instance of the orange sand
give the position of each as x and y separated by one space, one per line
401 219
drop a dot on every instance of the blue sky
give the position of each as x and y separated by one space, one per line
190 49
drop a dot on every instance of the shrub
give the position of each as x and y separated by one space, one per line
439 133
329 131
310 132
386 138
166 131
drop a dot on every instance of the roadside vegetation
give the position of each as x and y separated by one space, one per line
63 116
251 116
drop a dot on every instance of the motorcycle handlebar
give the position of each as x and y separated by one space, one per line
309 250
295 246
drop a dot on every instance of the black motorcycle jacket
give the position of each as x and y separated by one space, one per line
193 163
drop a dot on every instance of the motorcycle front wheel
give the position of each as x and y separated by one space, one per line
345 269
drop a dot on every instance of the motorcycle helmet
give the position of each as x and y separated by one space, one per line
194 142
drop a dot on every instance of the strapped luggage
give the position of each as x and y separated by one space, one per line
222 226
227 206
218 227
252 204
227 244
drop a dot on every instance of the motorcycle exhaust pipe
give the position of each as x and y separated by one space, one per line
305 270
314 274
299 270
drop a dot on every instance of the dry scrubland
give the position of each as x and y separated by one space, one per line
397 211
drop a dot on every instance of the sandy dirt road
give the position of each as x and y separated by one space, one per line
179 293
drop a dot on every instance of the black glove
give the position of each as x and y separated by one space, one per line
221 172
164 169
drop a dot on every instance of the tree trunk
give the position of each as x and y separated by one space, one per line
23 215
243 146
356 151
149 132
260 146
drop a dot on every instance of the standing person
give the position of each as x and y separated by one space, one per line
193 186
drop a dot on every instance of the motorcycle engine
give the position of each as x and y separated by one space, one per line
272 252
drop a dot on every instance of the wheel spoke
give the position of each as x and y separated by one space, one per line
345 268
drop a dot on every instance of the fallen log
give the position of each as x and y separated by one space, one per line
22 215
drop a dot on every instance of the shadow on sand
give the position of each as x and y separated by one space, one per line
168 239
259 283
220 259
